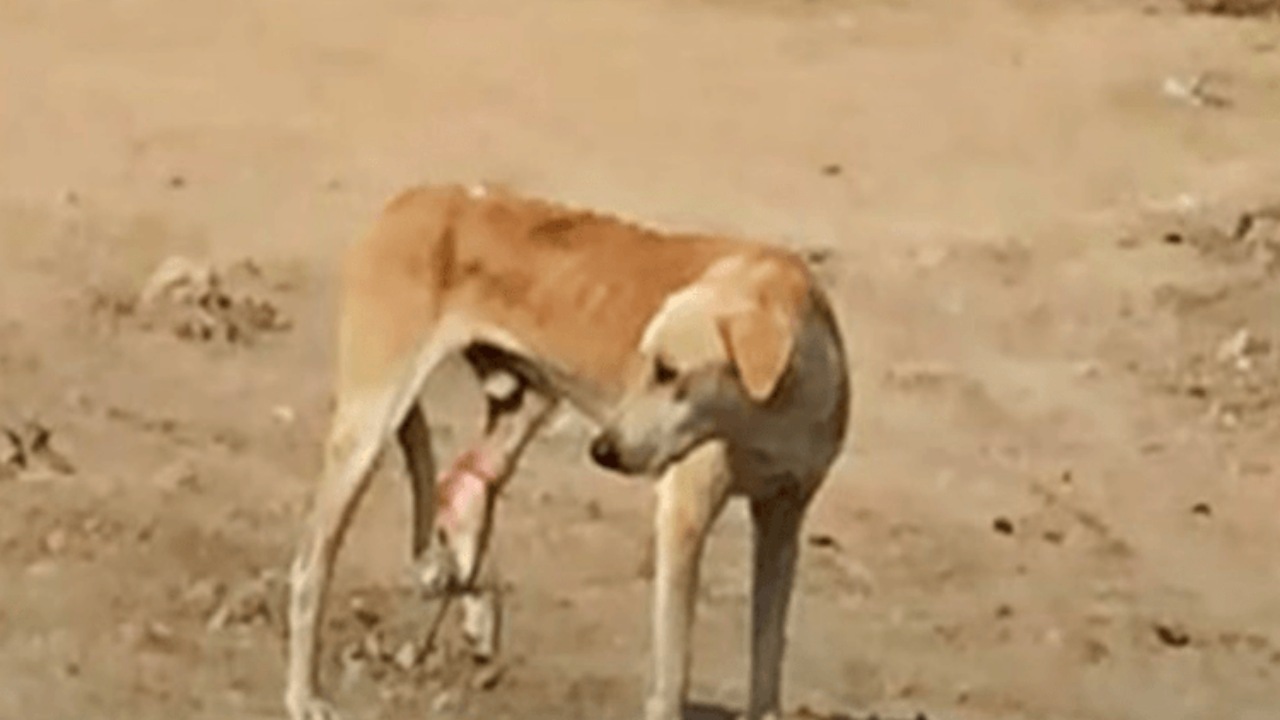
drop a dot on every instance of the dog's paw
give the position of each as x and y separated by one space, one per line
480 624
434 573
311 708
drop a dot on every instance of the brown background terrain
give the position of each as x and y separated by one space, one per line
1045 223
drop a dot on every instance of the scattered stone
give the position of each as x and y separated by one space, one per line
204 595
27 449
1172 635
824 541
446 701
1194 90
177 475
284 414
1202 509
178 279
1240 349
832 169
488 677
1002 525
245 605
406 658
365 615
371 646
149 635
191 299
1054 537
352 662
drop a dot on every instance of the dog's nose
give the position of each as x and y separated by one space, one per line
605 451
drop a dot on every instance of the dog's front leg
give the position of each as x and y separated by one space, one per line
776 520
690 497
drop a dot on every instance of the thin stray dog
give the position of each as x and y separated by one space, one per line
711 364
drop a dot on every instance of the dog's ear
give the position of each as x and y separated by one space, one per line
759 340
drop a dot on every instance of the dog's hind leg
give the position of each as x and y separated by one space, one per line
462 500
414 437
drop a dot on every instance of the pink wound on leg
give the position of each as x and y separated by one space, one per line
461 488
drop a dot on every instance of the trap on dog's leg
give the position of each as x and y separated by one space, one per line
465 501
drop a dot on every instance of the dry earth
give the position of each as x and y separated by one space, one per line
1051 227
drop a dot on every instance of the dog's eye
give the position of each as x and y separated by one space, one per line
662 372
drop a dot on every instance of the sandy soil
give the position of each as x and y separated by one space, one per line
1045 223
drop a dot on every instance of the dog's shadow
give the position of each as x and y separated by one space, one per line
702 711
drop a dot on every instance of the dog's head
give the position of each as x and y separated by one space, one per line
715 352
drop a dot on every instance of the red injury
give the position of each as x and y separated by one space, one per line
461 489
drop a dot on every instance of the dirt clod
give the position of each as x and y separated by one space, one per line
196 302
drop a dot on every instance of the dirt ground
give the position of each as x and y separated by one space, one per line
1052 229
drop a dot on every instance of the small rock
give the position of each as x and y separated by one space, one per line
824 541
1194 90
1202 509
243 606
177 475
832 169
1002 525
352 661
406 658
159 632
203 595
1239 349
178 279
177 182
446 701
1172 635
367 616
371 646
284 414
488 677
29 447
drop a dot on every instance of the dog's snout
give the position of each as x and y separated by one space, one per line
604 450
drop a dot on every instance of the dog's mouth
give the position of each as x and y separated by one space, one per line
607 452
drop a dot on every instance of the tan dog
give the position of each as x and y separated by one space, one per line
714 364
